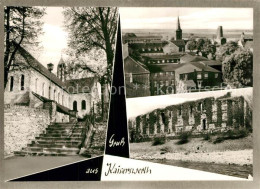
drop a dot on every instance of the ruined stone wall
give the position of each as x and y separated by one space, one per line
204 115
21 125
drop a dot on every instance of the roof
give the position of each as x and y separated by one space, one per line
178 42
163 67
39 67
61 61
190 58
83 85
60 108
204 67
133 66
159 57
211 62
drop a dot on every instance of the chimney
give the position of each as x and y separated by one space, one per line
50 67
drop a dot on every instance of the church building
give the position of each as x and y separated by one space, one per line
33 85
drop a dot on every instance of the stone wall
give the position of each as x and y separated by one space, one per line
21 125
203 115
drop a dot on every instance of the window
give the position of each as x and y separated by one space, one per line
155 49
158 61
206 75
49 92
172 82
163 61
58 98
143 49
166 73
149 49
172 73
83 105
22 82
131 77
155 75
191 110
216 75
43 85
75 106
11 83
161 73
155 83
36 84
185 76
199 76
179 112
167 83
54 94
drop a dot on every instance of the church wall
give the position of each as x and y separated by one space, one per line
40 85
79 98
10 96
21 125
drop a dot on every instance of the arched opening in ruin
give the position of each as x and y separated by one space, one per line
204 124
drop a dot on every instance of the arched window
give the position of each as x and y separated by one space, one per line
11 83
75 106
54 95
22 82
36 83
43 88
83 105
58 97
49 92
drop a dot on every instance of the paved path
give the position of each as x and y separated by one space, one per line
15 167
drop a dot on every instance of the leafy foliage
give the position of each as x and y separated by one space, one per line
184 138
159 140
191 45
22 26
238 69
226 50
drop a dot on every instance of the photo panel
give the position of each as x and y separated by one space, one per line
58 71
189 87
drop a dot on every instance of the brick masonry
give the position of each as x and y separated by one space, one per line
21 125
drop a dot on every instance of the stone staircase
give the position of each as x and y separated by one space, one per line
57 140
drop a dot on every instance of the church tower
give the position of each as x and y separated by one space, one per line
61 70
178 30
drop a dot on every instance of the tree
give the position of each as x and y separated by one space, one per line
226 50
22 26
90 28
191 45
238 68
200 44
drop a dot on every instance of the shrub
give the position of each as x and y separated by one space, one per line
159 140
166 149
231 135
184 138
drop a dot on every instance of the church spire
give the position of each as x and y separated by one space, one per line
178 30
178 24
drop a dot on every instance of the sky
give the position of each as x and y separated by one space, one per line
55 37
190 18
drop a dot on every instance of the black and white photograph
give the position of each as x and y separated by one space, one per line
189 87
57 75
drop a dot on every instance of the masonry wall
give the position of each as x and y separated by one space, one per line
21 125
204 115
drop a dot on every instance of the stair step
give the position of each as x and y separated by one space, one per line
50 145
59 138
55 129
30 153
61 135
60 142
